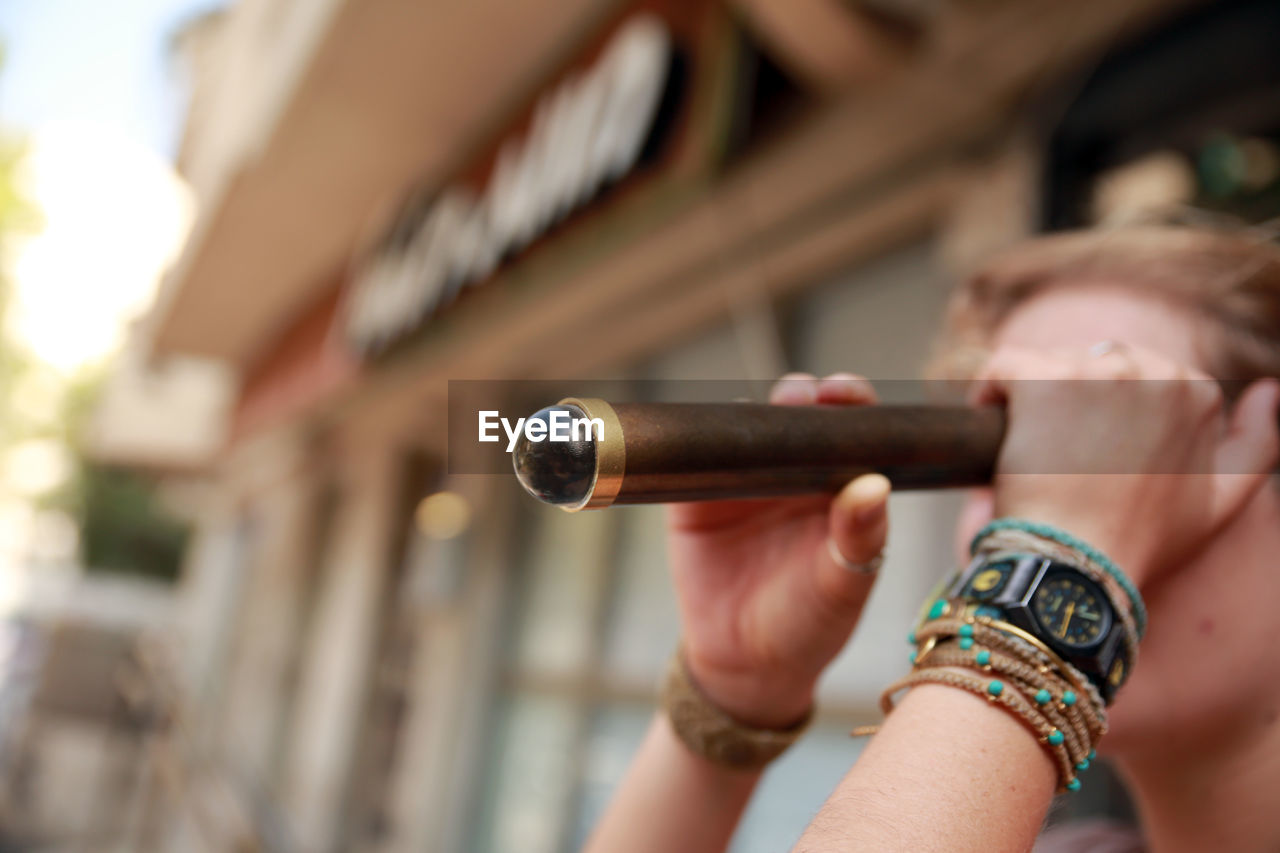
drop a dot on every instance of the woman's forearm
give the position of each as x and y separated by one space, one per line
947 771
672 801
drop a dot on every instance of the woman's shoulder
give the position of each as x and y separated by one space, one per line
1090 836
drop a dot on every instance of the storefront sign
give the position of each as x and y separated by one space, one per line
585 134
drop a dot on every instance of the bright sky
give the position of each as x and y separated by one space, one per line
114 216
94 88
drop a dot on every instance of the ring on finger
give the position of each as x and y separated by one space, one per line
870 567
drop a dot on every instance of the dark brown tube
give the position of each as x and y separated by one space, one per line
666 452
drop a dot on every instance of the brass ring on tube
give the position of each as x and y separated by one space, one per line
611 453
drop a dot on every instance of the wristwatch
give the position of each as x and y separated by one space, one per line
1055 602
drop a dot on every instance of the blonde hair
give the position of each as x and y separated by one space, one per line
1228 275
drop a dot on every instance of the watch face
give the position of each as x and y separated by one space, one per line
1072 610
988 580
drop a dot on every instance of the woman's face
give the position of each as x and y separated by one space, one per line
1077 317
1168 689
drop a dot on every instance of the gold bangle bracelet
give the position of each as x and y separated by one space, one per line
985 631
997 634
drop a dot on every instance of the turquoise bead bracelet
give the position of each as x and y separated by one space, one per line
996 691
1054 534
1074 720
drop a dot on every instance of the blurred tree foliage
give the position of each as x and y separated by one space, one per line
17 217
124 527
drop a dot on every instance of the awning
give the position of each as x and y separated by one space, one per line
393 92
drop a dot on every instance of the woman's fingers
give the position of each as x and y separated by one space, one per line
857 520
837 389
1012 369
857 527
795 389
1177 464
845 389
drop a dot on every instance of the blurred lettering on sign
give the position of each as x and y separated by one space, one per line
586 133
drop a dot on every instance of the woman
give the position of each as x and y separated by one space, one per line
770 591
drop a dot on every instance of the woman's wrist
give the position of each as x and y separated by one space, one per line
1125 548
751 698
997 661
708 730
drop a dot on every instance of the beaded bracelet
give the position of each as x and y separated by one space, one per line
996 633
1056 685
1092 707
995 691
1053 699
1075 733
1066 735
1054 534
1065 711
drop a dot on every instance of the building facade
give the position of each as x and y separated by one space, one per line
380 653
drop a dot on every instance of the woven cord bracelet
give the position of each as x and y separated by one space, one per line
1033 684
995 691
998 635
1054 534
1024 677
1055 688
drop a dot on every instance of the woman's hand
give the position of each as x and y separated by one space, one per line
1127 450
764 604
